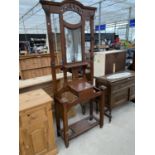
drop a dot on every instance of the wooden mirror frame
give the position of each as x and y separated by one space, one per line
86 13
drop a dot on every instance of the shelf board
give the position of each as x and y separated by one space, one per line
81 126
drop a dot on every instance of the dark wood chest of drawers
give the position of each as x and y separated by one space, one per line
119 89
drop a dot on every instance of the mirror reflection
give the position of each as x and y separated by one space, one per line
73 45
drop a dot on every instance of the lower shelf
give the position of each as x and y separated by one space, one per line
81 126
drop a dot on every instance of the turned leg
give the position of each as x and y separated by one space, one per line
57 118
101 107
91 110
65 127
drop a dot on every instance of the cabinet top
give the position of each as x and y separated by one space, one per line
33 98
114 77
109 52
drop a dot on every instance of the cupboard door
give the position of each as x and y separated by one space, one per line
35 138
36 131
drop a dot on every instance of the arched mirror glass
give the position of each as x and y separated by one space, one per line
71 17
73 45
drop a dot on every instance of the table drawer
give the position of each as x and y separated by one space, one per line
31 117
122 84
84 94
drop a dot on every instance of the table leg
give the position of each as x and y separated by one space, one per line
65 127
101 107
91 110
83 107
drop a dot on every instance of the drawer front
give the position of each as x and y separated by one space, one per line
85 94
119 97
122 84
32 117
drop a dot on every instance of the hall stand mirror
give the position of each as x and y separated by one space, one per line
77 90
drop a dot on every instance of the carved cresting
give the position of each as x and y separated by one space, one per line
71 7
68 5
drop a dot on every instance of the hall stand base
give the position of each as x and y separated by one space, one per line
69 132
81 127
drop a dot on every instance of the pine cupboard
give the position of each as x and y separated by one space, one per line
36 132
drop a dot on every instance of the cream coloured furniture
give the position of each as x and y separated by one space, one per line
107 62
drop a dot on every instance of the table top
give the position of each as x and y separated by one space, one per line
117 76
33 98
109 52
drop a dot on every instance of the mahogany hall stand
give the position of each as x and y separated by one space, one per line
79 89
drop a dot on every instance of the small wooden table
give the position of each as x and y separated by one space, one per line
120 88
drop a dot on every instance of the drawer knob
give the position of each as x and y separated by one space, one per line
27 146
